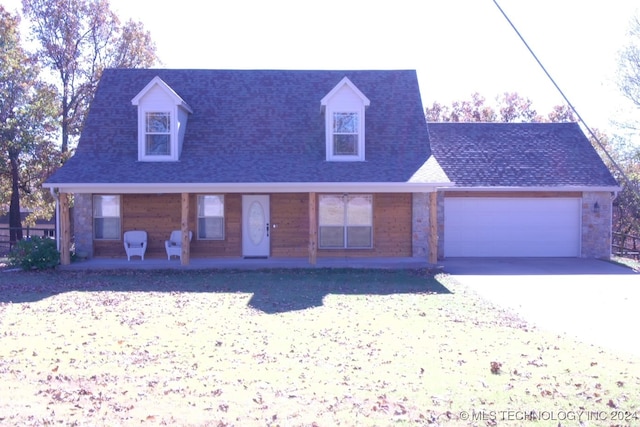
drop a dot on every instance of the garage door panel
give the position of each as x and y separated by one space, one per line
512 227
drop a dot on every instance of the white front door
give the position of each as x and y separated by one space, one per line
255 226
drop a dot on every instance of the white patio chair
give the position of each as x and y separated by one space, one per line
135 243
174 244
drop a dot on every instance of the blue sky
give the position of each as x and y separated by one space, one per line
457 46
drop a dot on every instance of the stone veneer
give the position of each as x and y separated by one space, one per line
420 225
440 225
596 224
83 225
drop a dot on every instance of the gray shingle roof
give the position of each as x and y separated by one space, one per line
517 154
256 126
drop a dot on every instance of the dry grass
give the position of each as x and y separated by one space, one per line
289 348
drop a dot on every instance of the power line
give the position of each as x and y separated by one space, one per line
593 135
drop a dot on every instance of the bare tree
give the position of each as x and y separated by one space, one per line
508 107
629 63
627 204
78 40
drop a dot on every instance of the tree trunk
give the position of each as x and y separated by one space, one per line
15 224
65 122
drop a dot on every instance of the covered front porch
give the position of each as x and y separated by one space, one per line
404 226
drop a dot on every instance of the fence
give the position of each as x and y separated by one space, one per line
6 244
626 245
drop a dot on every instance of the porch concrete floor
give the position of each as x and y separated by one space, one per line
242 263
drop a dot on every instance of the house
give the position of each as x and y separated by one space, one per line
255 163
274 163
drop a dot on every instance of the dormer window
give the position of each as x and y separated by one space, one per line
345 134
162 121
158 134
344 109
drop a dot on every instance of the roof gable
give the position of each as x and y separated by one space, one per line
158 85
344 89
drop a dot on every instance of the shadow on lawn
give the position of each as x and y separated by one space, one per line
272 291
296 296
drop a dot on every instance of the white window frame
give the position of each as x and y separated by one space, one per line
336 133
332 133
143 132
328 220
114 215
150 133
203 215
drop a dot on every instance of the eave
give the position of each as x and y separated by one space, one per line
277 187
557 188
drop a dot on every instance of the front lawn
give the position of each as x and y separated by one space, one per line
290 348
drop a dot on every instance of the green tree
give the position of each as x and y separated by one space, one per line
27 119
78 40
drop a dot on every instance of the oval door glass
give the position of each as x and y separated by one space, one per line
256 223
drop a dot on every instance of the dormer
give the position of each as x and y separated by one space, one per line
162 121
344 122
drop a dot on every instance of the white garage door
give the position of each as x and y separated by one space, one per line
512 227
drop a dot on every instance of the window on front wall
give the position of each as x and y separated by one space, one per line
211 217
106 217
157 134
345 221
345 134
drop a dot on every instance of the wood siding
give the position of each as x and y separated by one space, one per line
159 214
290 216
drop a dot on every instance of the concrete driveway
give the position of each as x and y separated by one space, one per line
595 301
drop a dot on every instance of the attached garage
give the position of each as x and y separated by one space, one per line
522 190
512 226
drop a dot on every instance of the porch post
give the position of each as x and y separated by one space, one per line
313 229
433 227
184 226
65 230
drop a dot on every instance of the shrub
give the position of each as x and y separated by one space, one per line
35 253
